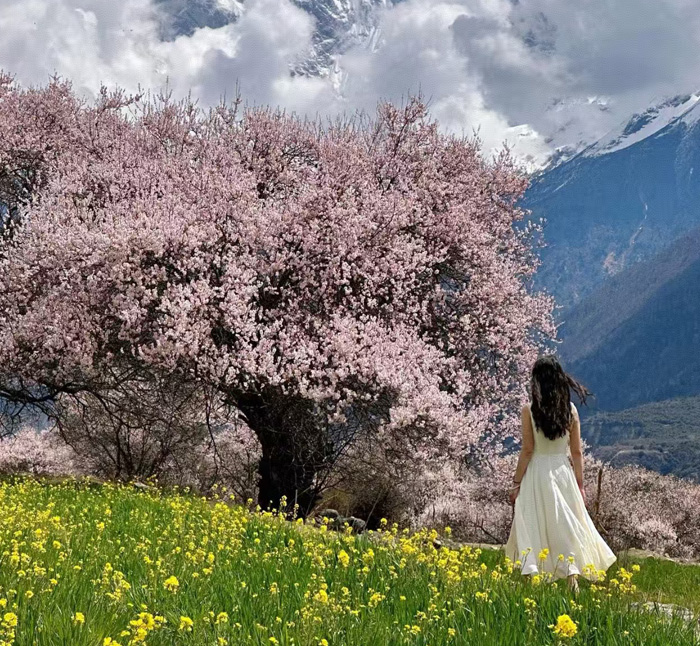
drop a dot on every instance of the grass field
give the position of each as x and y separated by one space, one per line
667 582
84 564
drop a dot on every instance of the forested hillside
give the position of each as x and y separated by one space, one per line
662 436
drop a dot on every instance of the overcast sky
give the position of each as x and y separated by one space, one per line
535 73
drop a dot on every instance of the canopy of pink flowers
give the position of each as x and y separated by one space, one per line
345 263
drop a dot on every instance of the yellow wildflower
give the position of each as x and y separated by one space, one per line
171 583
9 620
565 627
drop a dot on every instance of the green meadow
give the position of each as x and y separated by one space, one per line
87 564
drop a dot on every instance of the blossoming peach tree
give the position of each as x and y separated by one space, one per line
360 278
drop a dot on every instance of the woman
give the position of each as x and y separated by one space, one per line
552 531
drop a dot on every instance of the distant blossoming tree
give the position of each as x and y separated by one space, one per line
360 278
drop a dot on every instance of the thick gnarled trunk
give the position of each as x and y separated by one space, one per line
294 449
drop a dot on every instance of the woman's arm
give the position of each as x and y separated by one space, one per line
527 446
576 452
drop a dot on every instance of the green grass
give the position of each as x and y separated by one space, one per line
109 552
666 581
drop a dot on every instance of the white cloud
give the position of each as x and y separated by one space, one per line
580 65
516 70
269 35
418 51
86 42
117 43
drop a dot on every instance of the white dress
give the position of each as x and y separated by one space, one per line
550 513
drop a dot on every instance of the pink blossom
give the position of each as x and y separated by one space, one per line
354 270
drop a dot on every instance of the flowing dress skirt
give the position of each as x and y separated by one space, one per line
550 513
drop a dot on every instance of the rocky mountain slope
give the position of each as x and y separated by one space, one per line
619 201
625 297
640 342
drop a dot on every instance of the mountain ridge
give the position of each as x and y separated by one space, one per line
605 212
588 324
648 123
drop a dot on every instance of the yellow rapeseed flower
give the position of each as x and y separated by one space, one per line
9 620
171 583
565 627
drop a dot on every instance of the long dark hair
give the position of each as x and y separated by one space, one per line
551 388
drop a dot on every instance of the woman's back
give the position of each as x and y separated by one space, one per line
545 446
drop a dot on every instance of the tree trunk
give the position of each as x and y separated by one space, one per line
294 449
287 470
596 507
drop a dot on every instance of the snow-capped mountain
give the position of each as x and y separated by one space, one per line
676 110
340 25
620 200
572 138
